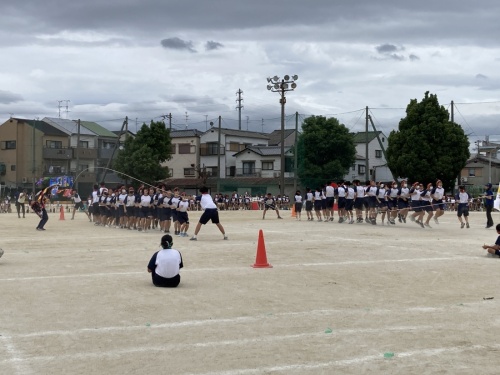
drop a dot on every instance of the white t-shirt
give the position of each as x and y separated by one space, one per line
145 200
207 202
330 191
167 263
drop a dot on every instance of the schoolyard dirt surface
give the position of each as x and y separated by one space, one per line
340 299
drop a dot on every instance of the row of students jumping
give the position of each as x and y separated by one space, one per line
142 210
359 203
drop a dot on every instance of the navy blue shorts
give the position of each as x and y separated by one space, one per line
210 214
463 209
402 204
359 203
349 204
438 205
182 217
372 202
317 206
298 206
341 202
416 206
309 205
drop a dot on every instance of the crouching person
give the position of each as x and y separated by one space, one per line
165 264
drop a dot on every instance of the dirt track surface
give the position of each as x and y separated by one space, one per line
340 299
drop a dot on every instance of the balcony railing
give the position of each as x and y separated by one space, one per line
57 153
85 153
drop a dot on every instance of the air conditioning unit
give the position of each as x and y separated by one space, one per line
464 179
25 180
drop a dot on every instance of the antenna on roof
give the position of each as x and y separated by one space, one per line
59 106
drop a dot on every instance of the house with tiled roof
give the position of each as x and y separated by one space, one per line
185 158
261 161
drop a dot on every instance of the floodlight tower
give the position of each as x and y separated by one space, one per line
281 86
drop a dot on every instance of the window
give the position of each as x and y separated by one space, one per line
472 172
212 148
83 167
108 145
13 167
184 148
361 169
267 165
378 153
9 145
188 171
56 169
84 144
248 167
212 171
233 146
174 147
353 167
54 144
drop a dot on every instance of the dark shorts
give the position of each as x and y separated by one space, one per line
391 203
427 206
95 208
438 205
174 214
416 206
130 211
164 282
382 203
182 217
298 206
317 205
324 205
372 202
210 214
309 205
269 207
121 211
165 213
402 204
103 210
341 202
145 212
349 204
463 209
79 205
359 203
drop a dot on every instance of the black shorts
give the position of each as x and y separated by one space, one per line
359 203
317 205
427 206
438 205
145 212
463 209
182 217
341 202
309 205
95 209
298 206
403 203
165 213
392 203
78 205
416 206
372 202
349 204
210 214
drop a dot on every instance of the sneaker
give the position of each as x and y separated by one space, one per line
422 224
331 219
436 220
404 219
462 226
193 239
279 217
351 222
225 238
412 218
400 219
427 225
467 225
341 220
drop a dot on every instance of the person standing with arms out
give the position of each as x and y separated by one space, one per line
492 249
78 204
488 204
462 198
270 204
298 205
21 200
165 265
210 213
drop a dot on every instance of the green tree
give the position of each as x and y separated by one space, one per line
325 149
427 146
142 156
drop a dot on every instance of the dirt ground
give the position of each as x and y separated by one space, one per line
340 299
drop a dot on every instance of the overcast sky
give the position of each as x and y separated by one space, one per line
144 59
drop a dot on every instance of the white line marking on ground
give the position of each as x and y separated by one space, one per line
351 361
299 265
260 317
211 344
16 357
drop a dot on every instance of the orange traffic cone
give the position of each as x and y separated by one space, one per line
293 211
61 213
261 257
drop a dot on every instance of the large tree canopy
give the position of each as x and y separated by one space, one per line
427 146
325 149
142 155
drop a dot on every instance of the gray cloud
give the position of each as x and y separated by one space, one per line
387 48
413 57
481 76
178 44
211 45
7 97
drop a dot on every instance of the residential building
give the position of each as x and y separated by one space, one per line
377 144
185 161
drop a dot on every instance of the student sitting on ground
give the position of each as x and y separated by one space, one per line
165 264
494 249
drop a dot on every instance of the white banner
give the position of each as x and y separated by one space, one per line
496 204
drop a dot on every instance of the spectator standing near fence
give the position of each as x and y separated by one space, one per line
488 204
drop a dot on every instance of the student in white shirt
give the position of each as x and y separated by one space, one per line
165 265
210 213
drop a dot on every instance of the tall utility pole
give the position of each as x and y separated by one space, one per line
276 84
239 106
187 120
77 152
248 119
169 116
367 162
218 156
33 168
295 153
